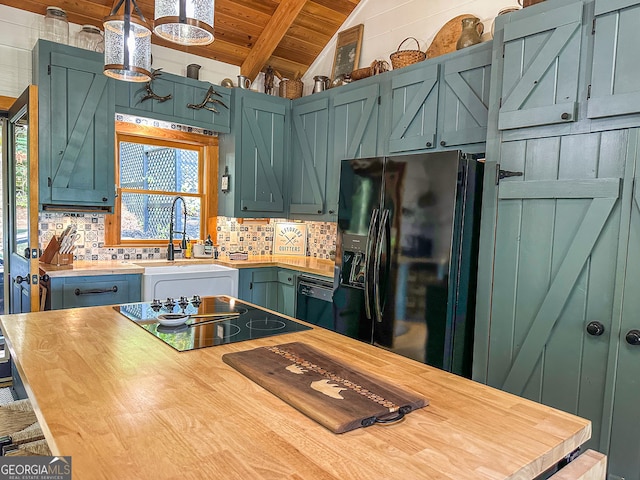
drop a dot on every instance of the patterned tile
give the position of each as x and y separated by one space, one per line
232 236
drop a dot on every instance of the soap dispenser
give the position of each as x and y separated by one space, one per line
208 246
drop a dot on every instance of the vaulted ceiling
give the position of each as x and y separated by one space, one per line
286 34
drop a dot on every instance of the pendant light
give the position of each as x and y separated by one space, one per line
127 44
186 22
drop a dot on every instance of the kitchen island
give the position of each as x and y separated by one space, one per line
126 405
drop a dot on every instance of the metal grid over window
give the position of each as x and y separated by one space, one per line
147 169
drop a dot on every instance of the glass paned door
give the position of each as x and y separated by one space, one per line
22 221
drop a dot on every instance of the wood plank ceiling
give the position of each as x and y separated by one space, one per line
286 34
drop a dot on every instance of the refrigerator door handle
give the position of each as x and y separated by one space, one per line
384 233
367 263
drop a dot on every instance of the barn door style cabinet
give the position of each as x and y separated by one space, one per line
254 155
76 128
441 104
557 308
435 105
309 172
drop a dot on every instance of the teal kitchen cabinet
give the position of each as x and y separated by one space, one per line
541 55
268 287
353 120
624 450
287 291
76 128
463 109
182 100
254 155
557 301
309 158
442 103
414 108
614 87
90 291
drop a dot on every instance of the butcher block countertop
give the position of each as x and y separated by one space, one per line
81 268
125 405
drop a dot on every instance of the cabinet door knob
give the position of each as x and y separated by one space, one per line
104 199
633 337
595 328
244 208
331 212
443 143
429 144
565 116
319 211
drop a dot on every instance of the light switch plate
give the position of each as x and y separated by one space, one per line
224 183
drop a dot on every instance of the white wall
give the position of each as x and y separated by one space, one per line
387 24
19 31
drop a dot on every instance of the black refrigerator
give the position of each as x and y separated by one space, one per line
406 255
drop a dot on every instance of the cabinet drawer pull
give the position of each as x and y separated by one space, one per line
93 291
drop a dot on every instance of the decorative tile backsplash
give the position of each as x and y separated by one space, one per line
254 238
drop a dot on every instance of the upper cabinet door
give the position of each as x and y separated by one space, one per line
541 66
464 107
355 122
77 129
262 155
414 109
615 89
309 157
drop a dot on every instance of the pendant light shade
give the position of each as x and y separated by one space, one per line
186 22
127 44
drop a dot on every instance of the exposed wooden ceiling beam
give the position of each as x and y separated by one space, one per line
277 27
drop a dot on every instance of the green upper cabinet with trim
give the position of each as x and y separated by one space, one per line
76 128
309 157
615 89
254 155
440 103
541 62
177 99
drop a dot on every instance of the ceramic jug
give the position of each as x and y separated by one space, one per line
320 83
472 28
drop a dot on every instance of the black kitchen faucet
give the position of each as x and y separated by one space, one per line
183 243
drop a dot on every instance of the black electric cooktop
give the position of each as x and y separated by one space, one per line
223 320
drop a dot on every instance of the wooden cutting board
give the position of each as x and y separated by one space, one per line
333 394
447 37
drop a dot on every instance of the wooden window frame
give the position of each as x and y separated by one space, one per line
208 153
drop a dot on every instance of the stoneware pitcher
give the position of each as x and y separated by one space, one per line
472 28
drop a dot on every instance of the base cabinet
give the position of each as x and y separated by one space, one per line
269 287
91 291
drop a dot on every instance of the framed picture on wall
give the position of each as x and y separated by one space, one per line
348 47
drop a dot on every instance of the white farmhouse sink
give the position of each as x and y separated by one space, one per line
168 279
